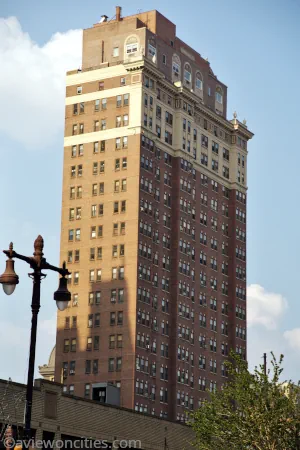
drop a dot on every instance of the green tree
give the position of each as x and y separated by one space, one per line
253 411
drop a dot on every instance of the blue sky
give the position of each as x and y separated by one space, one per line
253 47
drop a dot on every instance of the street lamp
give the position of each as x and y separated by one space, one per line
9 280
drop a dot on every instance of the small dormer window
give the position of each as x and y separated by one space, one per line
187 74
219 95
151 50
131 48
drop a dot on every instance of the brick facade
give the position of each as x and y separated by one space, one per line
148 148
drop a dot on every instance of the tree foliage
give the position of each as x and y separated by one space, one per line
253 411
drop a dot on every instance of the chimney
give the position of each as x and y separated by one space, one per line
118 13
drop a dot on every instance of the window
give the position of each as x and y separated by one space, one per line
126 99
151 50
199 84
123 81
103 104
176 69
120 318
103 125
97 320
119 364
118 124
79 90
164 59
123 228
87 390
121 296
219 95
101 85
125 120
119 341
111 364
96 342
119 100
116 52
187 74
131 48
88 366
89 344
168 137
96 125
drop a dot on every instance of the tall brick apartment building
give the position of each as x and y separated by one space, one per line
153 220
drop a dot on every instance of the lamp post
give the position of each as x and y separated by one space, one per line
9 280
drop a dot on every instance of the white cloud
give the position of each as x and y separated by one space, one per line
264 308
293 338
32 83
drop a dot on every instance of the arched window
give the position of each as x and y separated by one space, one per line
187 73
176 67
219 95
152 48
199 82
131 45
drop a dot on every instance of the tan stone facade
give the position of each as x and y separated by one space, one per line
60 417
153 220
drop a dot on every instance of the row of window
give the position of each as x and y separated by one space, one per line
119 228
96 253
101 85
95 275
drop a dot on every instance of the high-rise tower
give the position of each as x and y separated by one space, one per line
153 220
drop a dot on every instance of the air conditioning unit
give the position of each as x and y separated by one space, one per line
180 335
72 372
138 367
180 313
148 347
182 404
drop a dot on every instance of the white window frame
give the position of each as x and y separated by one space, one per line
151 50
219 97
176 68
189 77
115 52
200 83
131 48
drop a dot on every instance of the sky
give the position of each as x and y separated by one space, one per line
253 47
